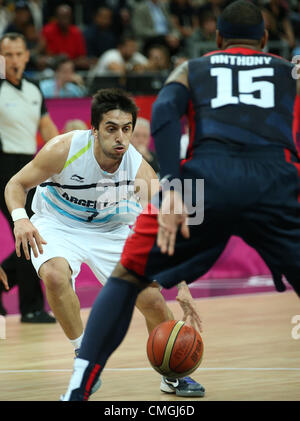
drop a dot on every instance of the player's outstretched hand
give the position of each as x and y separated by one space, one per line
172 216
3 278
188 305
26 233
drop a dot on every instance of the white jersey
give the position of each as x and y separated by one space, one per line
86 195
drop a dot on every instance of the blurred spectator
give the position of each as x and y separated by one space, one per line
184 17
50 6
100 36
158 59
295 21
205 32
62 37
5 16
121 14
22 18
213 7
65 84
75 124
152 24
121 60
36 9
141 138
24 23
34 45
276 18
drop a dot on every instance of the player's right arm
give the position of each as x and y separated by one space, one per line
49 161
170 105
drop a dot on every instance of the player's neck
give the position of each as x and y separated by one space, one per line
13 80
249 46
109 165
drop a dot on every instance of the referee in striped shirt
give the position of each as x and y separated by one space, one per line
23 112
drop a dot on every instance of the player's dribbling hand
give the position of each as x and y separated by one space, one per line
188 305
172 215
26 233
3 278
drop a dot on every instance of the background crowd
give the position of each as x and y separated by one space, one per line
72 42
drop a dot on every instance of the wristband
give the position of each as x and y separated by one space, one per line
19 213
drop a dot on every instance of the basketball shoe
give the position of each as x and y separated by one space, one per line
97 384
185 387
76 394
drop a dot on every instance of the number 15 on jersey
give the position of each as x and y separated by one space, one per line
247 86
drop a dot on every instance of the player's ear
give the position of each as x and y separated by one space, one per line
27 56
94 131
219 39
264 39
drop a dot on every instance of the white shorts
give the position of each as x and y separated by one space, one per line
101 251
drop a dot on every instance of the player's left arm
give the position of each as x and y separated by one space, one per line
47 128
3 278
146 183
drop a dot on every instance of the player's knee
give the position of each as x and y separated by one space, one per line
55 274
151 300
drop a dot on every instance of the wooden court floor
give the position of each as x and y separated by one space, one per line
250 355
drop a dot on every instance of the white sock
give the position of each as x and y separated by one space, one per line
77 342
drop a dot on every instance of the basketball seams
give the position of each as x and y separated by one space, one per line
169 347
189 352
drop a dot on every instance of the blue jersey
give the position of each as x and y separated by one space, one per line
242 96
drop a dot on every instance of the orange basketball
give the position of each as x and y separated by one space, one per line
175 349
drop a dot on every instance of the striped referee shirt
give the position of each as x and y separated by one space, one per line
21 108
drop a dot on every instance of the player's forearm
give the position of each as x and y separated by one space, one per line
15 194
167 111
48 130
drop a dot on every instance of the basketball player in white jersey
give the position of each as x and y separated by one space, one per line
92 184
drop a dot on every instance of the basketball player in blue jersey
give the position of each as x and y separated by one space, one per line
92 184
242 106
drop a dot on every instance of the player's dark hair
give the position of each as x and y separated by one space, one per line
13 36
242 12
109 99
241 20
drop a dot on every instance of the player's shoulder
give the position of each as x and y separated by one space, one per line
133 152
60 144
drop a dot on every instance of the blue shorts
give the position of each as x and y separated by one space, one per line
251 192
